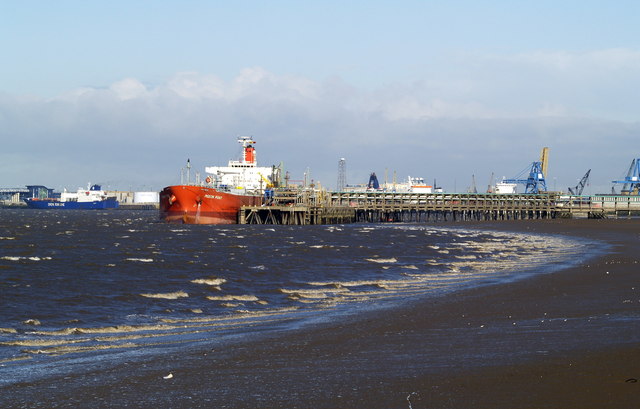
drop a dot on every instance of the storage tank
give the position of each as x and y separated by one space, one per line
146 197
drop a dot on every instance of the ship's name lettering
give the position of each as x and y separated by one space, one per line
54 204
213 197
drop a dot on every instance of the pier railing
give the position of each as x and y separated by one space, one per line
308 206
388 206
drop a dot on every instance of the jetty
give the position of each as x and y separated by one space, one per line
310 207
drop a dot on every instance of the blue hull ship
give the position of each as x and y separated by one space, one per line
92 198
56 204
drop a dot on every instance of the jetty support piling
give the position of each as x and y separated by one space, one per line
296 215
304 207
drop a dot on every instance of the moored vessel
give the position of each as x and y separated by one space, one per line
218 198
414 185
84 199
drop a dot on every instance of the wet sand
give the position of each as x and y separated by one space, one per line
569 339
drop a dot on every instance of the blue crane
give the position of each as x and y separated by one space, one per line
631 182
535 182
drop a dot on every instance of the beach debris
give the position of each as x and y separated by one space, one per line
631 380
168 376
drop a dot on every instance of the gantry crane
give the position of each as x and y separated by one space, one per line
490 186
535 182
631 182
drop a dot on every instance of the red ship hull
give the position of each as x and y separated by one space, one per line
202 205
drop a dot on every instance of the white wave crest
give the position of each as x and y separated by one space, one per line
343 285
18 258
233 298
331 291
383 260
142 260
31 321
167 296
7 331
209 281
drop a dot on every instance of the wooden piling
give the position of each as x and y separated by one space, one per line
309 207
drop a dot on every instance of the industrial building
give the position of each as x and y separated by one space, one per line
16 196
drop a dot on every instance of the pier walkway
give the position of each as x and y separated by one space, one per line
304 207
408 207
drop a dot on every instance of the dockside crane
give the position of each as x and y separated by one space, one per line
473 188
490 186
631 182
577 191
535 182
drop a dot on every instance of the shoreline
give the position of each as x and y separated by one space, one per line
570 338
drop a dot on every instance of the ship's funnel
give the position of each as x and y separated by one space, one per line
249 154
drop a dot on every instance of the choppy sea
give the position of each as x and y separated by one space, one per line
90 288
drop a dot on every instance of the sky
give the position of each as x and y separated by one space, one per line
122 93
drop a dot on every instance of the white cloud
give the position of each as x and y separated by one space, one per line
596 61
128 88
552 109
192 85
489 114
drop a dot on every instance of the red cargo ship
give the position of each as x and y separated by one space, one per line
225 190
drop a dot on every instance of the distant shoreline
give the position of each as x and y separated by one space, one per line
121 206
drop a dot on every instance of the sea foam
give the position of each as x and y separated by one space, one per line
382 260
209 281
141 260
167 296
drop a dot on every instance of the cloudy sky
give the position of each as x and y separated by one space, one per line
122 93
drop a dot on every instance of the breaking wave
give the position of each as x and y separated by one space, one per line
167 296
209 281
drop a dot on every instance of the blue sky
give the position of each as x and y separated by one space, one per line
123 92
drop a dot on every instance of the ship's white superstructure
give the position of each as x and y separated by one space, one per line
413 185
241 176
93 193
505 188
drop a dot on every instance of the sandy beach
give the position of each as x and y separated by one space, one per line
567 339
